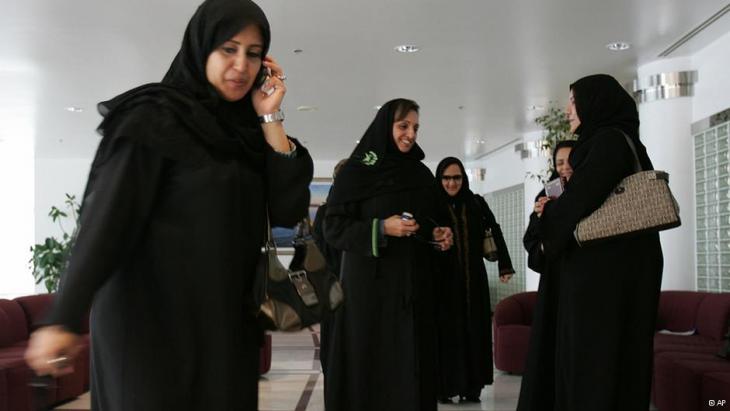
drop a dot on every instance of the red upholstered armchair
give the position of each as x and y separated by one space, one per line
687 371
512 322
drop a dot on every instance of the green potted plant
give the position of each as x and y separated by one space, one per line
51 256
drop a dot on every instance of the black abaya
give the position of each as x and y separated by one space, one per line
382 350
172 222
171 249
465 317
608 292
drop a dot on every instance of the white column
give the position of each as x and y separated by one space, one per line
666 132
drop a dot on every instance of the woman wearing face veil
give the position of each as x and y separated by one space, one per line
382 353
465 321
537 391
609 291
172 224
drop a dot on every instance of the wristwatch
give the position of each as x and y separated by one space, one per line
269 118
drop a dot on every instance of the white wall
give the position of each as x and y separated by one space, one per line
665 131
712 91
17 135
503 167
16 217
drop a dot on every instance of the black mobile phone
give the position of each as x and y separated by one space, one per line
264 73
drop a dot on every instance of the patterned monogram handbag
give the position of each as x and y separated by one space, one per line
642 202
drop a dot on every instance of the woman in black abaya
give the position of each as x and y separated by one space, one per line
609 291
382 353
172 223
465 320
537 391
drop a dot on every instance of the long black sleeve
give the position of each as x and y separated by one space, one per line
287 179
115 210
345 231
532 240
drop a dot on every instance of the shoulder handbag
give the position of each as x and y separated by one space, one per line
640 203
489 246
297 297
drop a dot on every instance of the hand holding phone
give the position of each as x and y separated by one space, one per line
264 74
268 89
554 188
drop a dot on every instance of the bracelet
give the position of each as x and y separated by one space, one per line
270 118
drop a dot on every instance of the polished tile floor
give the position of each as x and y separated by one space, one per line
294 382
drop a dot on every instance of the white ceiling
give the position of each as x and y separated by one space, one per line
493 58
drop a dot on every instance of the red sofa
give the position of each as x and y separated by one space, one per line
17 320
687 372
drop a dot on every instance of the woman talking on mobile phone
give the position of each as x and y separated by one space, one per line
173 219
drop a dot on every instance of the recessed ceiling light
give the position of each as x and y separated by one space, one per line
307 108
74 109
297 51
357 141
618 46
407 48
536 107
376 108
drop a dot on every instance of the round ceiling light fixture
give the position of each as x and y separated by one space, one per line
73 109
407 48
618 46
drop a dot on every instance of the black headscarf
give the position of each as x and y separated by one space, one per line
601 102
376 166
464 193
185 102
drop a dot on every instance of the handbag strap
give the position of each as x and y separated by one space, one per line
637 162
269 244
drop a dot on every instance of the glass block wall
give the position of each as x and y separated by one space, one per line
508 206
712 195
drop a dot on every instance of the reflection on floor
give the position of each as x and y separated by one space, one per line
295 381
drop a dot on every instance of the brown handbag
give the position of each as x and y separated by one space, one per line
640 203
489 246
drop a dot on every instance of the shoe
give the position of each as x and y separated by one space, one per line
445 400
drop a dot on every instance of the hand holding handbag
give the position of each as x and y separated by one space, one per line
640 203
294 298
490 251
